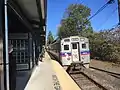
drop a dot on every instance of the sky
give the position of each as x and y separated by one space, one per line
106 19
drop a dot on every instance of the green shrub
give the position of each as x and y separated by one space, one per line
104 49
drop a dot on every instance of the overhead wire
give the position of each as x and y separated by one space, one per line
114 27
99 10
81 1
102 8
108 18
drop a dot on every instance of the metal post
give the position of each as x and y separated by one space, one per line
119 11
6 45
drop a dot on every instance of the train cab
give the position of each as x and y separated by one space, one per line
75 49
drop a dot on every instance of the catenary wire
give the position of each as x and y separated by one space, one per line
110 15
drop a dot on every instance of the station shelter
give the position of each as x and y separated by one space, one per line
22 35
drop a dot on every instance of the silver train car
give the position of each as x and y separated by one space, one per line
71 50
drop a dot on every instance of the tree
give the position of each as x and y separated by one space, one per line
50 38
105 46
75 21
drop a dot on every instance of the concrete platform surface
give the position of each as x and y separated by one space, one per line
43 77
50 75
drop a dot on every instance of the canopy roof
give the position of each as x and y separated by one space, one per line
32 13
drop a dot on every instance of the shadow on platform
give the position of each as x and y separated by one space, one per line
22 79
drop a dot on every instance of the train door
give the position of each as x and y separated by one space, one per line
84 53
75 51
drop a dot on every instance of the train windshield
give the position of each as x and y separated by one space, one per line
84 46
66 47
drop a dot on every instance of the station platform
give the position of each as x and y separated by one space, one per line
50 75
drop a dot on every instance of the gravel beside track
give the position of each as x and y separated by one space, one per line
116 75
91 80
85 83
109 76
104 65
94 80
103 79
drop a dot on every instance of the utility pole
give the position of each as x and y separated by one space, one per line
119 10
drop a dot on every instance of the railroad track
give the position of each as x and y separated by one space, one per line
87 79
86 83
116 75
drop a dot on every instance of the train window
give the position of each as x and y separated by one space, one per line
82 39
66 47
74 46
67 40
84 46
75 39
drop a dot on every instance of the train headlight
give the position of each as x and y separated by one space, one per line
83 57
68 58
66 54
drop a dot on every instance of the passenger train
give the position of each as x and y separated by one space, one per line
70 50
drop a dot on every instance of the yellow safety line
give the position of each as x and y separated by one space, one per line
66 82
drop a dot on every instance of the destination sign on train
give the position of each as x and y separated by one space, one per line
75 39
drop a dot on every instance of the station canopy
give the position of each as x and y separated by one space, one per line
31 12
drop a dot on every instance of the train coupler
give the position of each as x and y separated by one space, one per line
75 67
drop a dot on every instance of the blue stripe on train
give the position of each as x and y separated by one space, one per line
63 53
69 53
85 52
